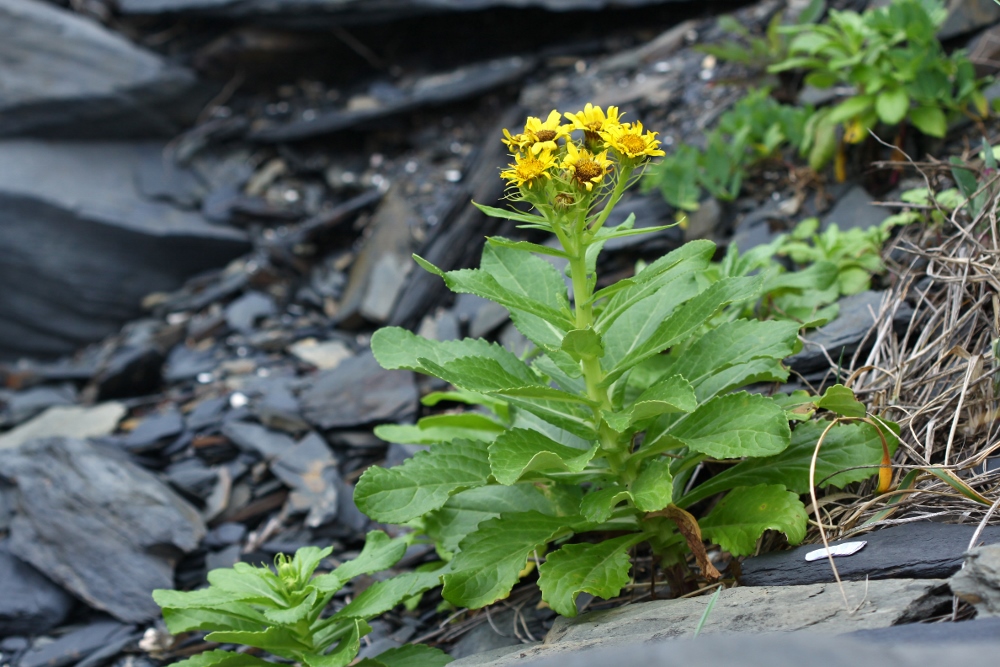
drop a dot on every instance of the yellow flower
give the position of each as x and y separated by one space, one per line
630 143
543 135
516 142
586 168
528 169
592 120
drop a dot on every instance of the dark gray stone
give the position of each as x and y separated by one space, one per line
224 535
964 16
916 550
855 211
978 582
153 429
65 75
23 405
966 632
91 520
185 363
310 470
255 438
243 313
842 337
207 413
80 248
359 392
30 604
74 647
192 477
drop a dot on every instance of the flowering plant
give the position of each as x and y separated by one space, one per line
594 443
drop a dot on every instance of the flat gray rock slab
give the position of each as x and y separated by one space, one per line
64 74
747 611
978 582
916 550
71 421
91 520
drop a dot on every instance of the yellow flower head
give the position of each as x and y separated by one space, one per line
529 169
543 135
586 168
629 141
592 120
516 142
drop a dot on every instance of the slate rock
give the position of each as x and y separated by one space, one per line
921 550
30 604
967 15
842 336
310 470
359 392
90 519
207 413
243 313
817 608
978 582
854 210
154 428
224 535
73 421
76 646
323 355
87 81
255 438
80 248
23 405
192 478
968 632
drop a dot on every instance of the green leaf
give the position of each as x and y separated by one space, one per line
306 559
347 649
204 597
410 655
851 108
625 348
294 614
248 583
526 246
732 426
652 489
467 509
441 428
599 569
840 400
930 120
565 412
747 511
396 348
845 446
382 596
482 374
379 553
525 275
519 451
583 344
223 659
891 105
422 483
273 639
180 620
597 506
672 394
489 560
518 216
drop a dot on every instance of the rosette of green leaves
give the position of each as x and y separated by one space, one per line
281 611
601 431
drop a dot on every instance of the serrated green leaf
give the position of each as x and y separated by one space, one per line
382 596
525 275
247 582
840 400
570 416
467 509
518 451
597 506
481 374
422 483
599 569
203 597
733 426
274 639
489 560
652 489
379 553
747 511
396 348
526 245
625 349
223 659
441 428
672 394
411 655
294 614
583 344
845 446
347 649
231 616
306 559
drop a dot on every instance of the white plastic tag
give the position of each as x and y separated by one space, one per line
845 549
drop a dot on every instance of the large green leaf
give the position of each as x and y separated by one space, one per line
382 596
180 620
597 506
203 597
840 400
467 509
562 411
396 348
482 374
652 489
891 105
379 553
729 427
441 428
627 348
845 446
519 450
223 659
526 275
690 257
274 639
247 582
423 483
410 655
747 511
672 394
295 613
347 649
600 569
489 560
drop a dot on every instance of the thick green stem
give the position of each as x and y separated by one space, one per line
616 194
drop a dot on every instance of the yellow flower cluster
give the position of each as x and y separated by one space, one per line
546 148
